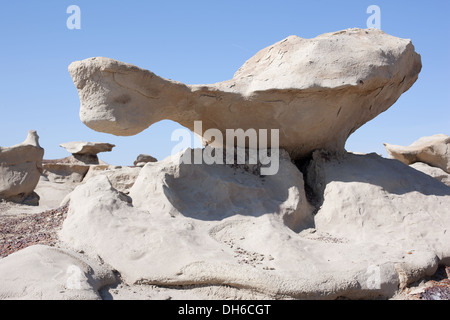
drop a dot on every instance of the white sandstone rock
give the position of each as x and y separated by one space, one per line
52 194
45 273
316 92
370 200
381 226
20 168
121 178
433 150
67 170
61 176
71 169
434 172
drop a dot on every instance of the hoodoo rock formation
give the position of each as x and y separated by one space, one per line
80 147
20 169
316 92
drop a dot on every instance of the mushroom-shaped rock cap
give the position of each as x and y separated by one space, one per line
316 92
81 147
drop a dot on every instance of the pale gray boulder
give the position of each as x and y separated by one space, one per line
121 178
316 92
434 172
142 159
90 148
381 202
74 168
67 170
433 150
379 226
20 170
60 176
45 273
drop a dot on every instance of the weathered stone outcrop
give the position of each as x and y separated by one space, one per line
67 170
92 148
379 227
434 172
142 159
329 224
45 273
121 178
316 92
61 176
433 150
73 168
20 170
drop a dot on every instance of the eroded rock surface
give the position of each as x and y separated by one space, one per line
384 203
316 92
91 148
61 176
142 159
433 150
218 225
353 226
121 178
434 172
45 273
20 169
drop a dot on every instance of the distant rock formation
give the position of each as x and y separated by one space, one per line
433 150
81 147
20 170
76 166
316 92
434 172
192 209
326 225
61 176
66 170
121 178
142 159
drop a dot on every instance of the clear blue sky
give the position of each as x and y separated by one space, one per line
197 42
